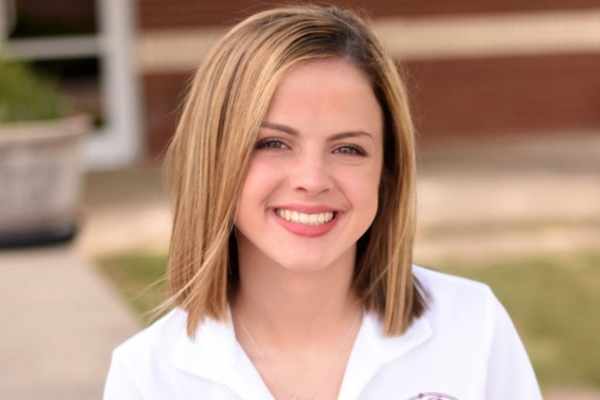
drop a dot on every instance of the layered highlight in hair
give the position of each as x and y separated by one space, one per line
207 159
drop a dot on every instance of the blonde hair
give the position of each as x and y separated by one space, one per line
206 161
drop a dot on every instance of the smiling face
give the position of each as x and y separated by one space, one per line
311 190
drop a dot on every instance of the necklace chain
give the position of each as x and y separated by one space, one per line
261 354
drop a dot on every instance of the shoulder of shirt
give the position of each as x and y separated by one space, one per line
450 297
444 283
157 338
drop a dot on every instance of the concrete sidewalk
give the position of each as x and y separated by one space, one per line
60 321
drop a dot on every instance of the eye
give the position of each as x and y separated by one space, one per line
351 150
270 144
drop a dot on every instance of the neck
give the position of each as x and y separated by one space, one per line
288 308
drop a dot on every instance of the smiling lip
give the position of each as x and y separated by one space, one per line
303 229
305 208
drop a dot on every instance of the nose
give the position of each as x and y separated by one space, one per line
310 175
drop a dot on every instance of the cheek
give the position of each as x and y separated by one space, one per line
260 182
369 196
362 188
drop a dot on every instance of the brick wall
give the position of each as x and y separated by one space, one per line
158 14
519 94
460 98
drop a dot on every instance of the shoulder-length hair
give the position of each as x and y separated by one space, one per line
207 159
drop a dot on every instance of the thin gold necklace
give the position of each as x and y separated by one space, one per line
261 354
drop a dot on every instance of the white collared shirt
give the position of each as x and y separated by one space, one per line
464 347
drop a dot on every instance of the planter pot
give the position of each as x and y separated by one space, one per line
40 180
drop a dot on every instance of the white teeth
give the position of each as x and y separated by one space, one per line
306 219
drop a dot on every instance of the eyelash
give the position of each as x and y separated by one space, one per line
266 144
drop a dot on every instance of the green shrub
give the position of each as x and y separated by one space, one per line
24 96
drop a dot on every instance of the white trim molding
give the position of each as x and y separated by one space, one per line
174 50
492 35
53 48
555 32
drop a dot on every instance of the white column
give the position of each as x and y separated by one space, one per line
121 141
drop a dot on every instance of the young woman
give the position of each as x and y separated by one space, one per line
290 267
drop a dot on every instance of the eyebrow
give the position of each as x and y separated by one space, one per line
291 131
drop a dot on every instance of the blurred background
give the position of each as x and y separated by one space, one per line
505 97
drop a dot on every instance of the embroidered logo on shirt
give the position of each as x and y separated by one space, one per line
432 396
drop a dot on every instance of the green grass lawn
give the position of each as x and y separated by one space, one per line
139 277
554 302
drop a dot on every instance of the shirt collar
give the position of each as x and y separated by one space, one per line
215 355
372 350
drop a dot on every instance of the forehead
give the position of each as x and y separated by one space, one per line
326 93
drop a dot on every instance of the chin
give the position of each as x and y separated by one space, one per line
306 264
303 265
